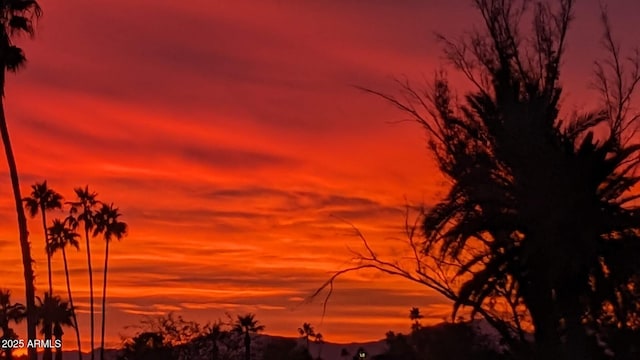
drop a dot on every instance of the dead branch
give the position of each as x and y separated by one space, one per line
430 271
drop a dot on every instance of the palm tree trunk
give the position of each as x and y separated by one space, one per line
25 246
104 298
90 268
73 309
47 326
47 352
46 247
8 352
57 332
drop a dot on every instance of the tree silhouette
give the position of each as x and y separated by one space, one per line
443 341
399 346
41 200
180 339
60 237
42 308
539 215
214 333
146 346
344 353
538 204
53 313
9 313
58 313
82 211
319 339
415 316
16 18
246 326
107 223
306 331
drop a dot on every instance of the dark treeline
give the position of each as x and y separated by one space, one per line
172 337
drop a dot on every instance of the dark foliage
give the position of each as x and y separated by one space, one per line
147 346
540 225
442 342
283 348
10 314
174 337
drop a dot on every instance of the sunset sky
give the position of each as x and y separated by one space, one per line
231 137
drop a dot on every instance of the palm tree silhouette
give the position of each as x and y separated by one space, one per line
61 236
306 331
55 313
63 315
247 325
107 223
82 210
16 18
44 310
214 333
9 313
42 199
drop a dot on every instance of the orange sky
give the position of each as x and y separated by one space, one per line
228 135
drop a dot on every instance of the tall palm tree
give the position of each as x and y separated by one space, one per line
306 331
9 313
247 325
107 223
42 199
82 210
54 313
62 235
16 18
